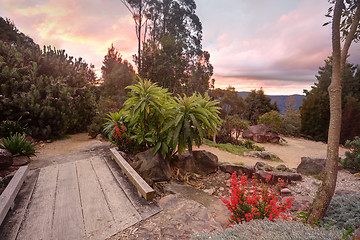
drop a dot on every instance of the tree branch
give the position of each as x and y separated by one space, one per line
350 36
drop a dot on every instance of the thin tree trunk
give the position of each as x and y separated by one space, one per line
327 189
139 36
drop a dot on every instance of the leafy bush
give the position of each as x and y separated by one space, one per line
276 230
352 157
257 202
50 90
291 124
9 128
271 119
18 145
152 118
252 146
344 211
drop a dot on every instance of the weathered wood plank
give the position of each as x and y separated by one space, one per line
144 207
121 208
146 191
12 222
68 219
38 220
96 212
8 196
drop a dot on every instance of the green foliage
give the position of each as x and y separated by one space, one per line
18 145
51 91
291 123
230 101
252 146
343 212
258 104
232 125
194 117
9 128
117 75
272 119
352 157
235 149
315 111
278 229
152 118
173 55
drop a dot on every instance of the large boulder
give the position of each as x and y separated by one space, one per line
200 162
261 134
311 166
6 159
231 168
152 168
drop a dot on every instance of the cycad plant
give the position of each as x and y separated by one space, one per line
18 145
194 117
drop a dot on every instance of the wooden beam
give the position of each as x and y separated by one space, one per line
8 196
146 191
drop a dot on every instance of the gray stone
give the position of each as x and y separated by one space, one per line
285 192
263 166
6 159
200 162
263 155
231 168
311 166
286 176
152 168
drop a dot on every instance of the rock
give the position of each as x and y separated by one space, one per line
153 168
285 192
264 155
20 160
209 191
311 166
230 168
261 134
6 159
357 234
301 204
263 166
286 176
200 162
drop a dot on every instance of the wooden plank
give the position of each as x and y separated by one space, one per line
146 191
96 212
8 196
146 208
38 220
68 219
121 208
12 222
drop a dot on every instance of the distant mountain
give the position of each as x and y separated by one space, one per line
281 100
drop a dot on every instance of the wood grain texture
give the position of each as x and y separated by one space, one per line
146 191
12 222
96 212
68 219
121 208
146 208
38 220
9 194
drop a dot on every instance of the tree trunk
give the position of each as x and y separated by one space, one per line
139 36
327 189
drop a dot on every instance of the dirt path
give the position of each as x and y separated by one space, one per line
290 152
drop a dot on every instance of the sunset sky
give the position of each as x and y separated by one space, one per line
252 44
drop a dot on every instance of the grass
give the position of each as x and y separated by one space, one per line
235 149
238 163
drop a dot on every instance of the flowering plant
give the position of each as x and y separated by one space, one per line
119 137
256 202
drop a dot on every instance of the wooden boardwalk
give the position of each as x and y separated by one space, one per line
86 199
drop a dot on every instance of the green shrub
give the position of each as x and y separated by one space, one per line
271 119
18 145
274 230
344 211
291 124
252 146
352 157
9 128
